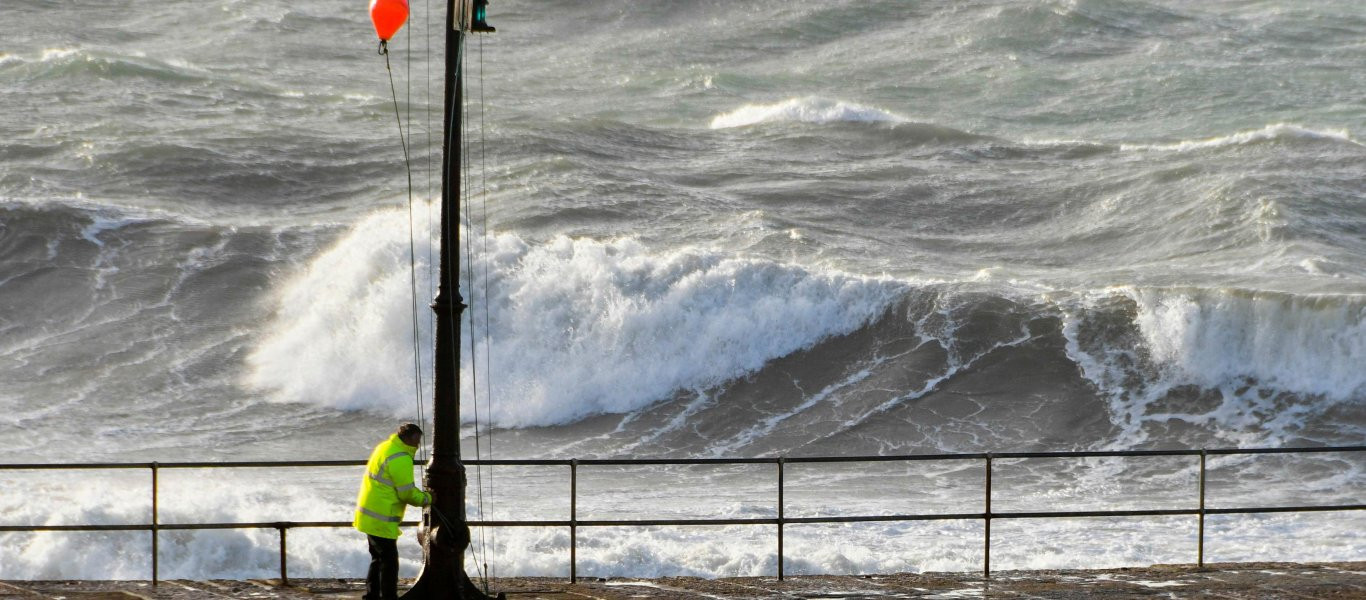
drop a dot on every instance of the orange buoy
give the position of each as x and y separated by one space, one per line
388 16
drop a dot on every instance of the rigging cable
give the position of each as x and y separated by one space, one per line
412 251
431 264
488 343
474 381
482 554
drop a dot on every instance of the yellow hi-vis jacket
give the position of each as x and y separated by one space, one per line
387 488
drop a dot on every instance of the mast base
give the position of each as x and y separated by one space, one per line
443 574
432 588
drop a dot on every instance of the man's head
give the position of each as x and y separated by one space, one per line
410 434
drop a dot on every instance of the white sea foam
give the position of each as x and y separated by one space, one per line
804 110
1303 344
52 54
576 327
342 335
327 495
1249 347
1276 131
120 498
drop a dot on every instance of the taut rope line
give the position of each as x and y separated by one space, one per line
412 250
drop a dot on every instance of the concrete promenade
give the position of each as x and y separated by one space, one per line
1260 581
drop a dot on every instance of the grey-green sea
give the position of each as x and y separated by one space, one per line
691 229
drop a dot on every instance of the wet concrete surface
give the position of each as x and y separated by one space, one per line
1259 581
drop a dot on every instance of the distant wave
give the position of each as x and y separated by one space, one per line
804 110
62 62
1276 132
1270 133
821 111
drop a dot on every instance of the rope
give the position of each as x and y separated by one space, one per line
488 343
431 264
474 357
412 249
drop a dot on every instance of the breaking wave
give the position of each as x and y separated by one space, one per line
1251 367
804 110
1277 132
581 327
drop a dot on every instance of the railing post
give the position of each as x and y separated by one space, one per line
780 517
284 563
986 516
574 521
155 524
1200 548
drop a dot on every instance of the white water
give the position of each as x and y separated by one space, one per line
582 327
804 110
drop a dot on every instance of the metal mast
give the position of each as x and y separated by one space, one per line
443 570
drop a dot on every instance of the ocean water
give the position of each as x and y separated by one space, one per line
696 229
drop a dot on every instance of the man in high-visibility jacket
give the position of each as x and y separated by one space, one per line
385 493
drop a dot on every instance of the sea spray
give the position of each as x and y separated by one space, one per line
576 327
186 496
342 333
1269 359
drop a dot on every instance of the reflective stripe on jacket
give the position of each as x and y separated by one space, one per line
387 488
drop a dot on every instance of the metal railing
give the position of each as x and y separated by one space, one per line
573 523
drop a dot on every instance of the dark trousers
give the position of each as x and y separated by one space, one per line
381 583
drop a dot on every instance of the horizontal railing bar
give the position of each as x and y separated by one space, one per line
694 461
1096 454
1220 451
72 466
888 458
1058 514
187 526
672 522
908 457
1226 451
178 465
620 462
23 528
884 518
262 464
690 522
1284 509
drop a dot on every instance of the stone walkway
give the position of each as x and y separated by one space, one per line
1260 581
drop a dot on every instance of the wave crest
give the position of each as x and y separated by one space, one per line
579 327
804 110
1276 132
53 63
1263 361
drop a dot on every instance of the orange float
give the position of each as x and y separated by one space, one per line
388 16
